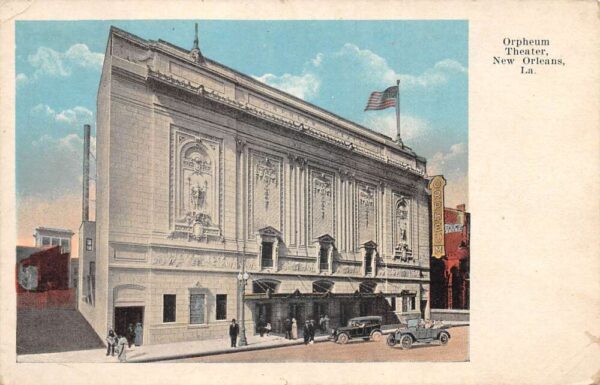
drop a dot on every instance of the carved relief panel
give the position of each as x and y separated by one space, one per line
322 203
366 212
401 226
265 191
196 185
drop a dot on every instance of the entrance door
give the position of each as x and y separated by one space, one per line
346 312
296 310
127 315
264 314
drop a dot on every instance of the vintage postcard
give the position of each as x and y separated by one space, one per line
197 192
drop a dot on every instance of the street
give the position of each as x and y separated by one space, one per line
456 350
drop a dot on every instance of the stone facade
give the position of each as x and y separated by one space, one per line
203 172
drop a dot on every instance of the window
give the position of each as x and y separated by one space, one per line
169 307
221 306
267 254
408 303
89 244
393 304
323 258
369 261
322 286
197 308
55 241
367 287
64 245
262 286
45 241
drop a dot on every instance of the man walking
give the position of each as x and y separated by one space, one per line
234 330
312 329
306 332
288 329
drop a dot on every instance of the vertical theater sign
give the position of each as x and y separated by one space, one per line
437 215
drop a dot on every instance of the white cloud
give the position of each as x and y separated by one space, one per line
305 86
21 79
411 128
317 60
378 70
446 162
47 61
73 117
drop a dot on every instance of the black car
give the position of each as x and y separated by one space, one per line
359 327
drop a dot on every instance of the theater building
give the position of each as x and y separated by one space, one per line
204 172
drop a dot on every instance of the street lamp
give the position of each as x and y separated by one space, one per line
242 280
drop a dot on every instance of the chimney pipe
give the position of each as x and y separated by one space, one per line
85 212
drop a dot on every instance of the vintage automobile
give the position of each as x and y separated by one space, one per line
359 327
415 331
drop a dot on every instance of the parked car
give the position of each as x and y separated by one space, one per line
416 331
359 327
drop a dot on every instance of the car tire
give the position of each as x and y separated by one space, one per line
343 339
391 340
406 341
444 337
376 335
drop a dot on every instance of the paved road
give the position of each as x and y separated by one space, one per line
456 350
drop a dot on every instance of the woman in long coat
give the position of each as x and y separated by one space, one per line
121 345
294 329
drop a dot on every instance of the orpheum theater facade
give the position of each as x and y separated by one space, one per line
204 173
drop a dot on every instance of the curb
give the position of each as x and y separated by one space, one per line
225 351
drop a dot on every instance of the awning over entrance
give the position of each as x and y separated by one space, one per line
327 295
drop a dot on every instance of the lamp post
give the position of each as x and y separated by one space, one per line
242 280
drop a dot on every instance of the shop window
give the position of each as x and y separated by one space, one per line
267 254
89 244
169 307
408 303
221 306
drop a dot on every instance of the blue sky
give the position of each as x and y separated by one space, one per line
333 64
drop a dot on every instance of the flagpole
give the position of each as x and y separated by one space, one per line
398 133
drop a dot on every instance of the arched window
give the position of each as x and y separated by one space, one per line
367 287
322 286
263 285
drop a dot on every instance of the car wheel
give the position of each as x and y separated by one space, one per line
444 338
406 341
342 339
391 340
376 335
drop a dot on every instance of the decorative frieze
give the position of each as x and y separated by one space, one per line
322 203
188 258
294 265
265 191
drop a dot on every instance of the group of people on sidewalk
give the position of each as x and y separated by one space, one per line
115 342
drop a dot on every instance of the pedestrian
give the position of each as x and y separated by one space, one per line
288 329
294 329
326 323
306 332
130 334
111 341
268 328
121 346
139 333
311 328
322 324
234 330
261 327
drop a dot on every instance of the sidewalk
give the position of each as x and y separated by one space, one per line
150 353
179 350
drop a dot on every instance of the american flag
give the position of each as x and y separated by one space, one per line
382 100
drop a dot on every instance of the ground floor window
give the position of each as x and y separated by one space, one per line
221 306
169 308
197 308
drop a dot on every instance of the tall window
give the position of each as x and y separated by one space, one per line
369 261
89 244
323 258
267 254
408 303
221 306
169 307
